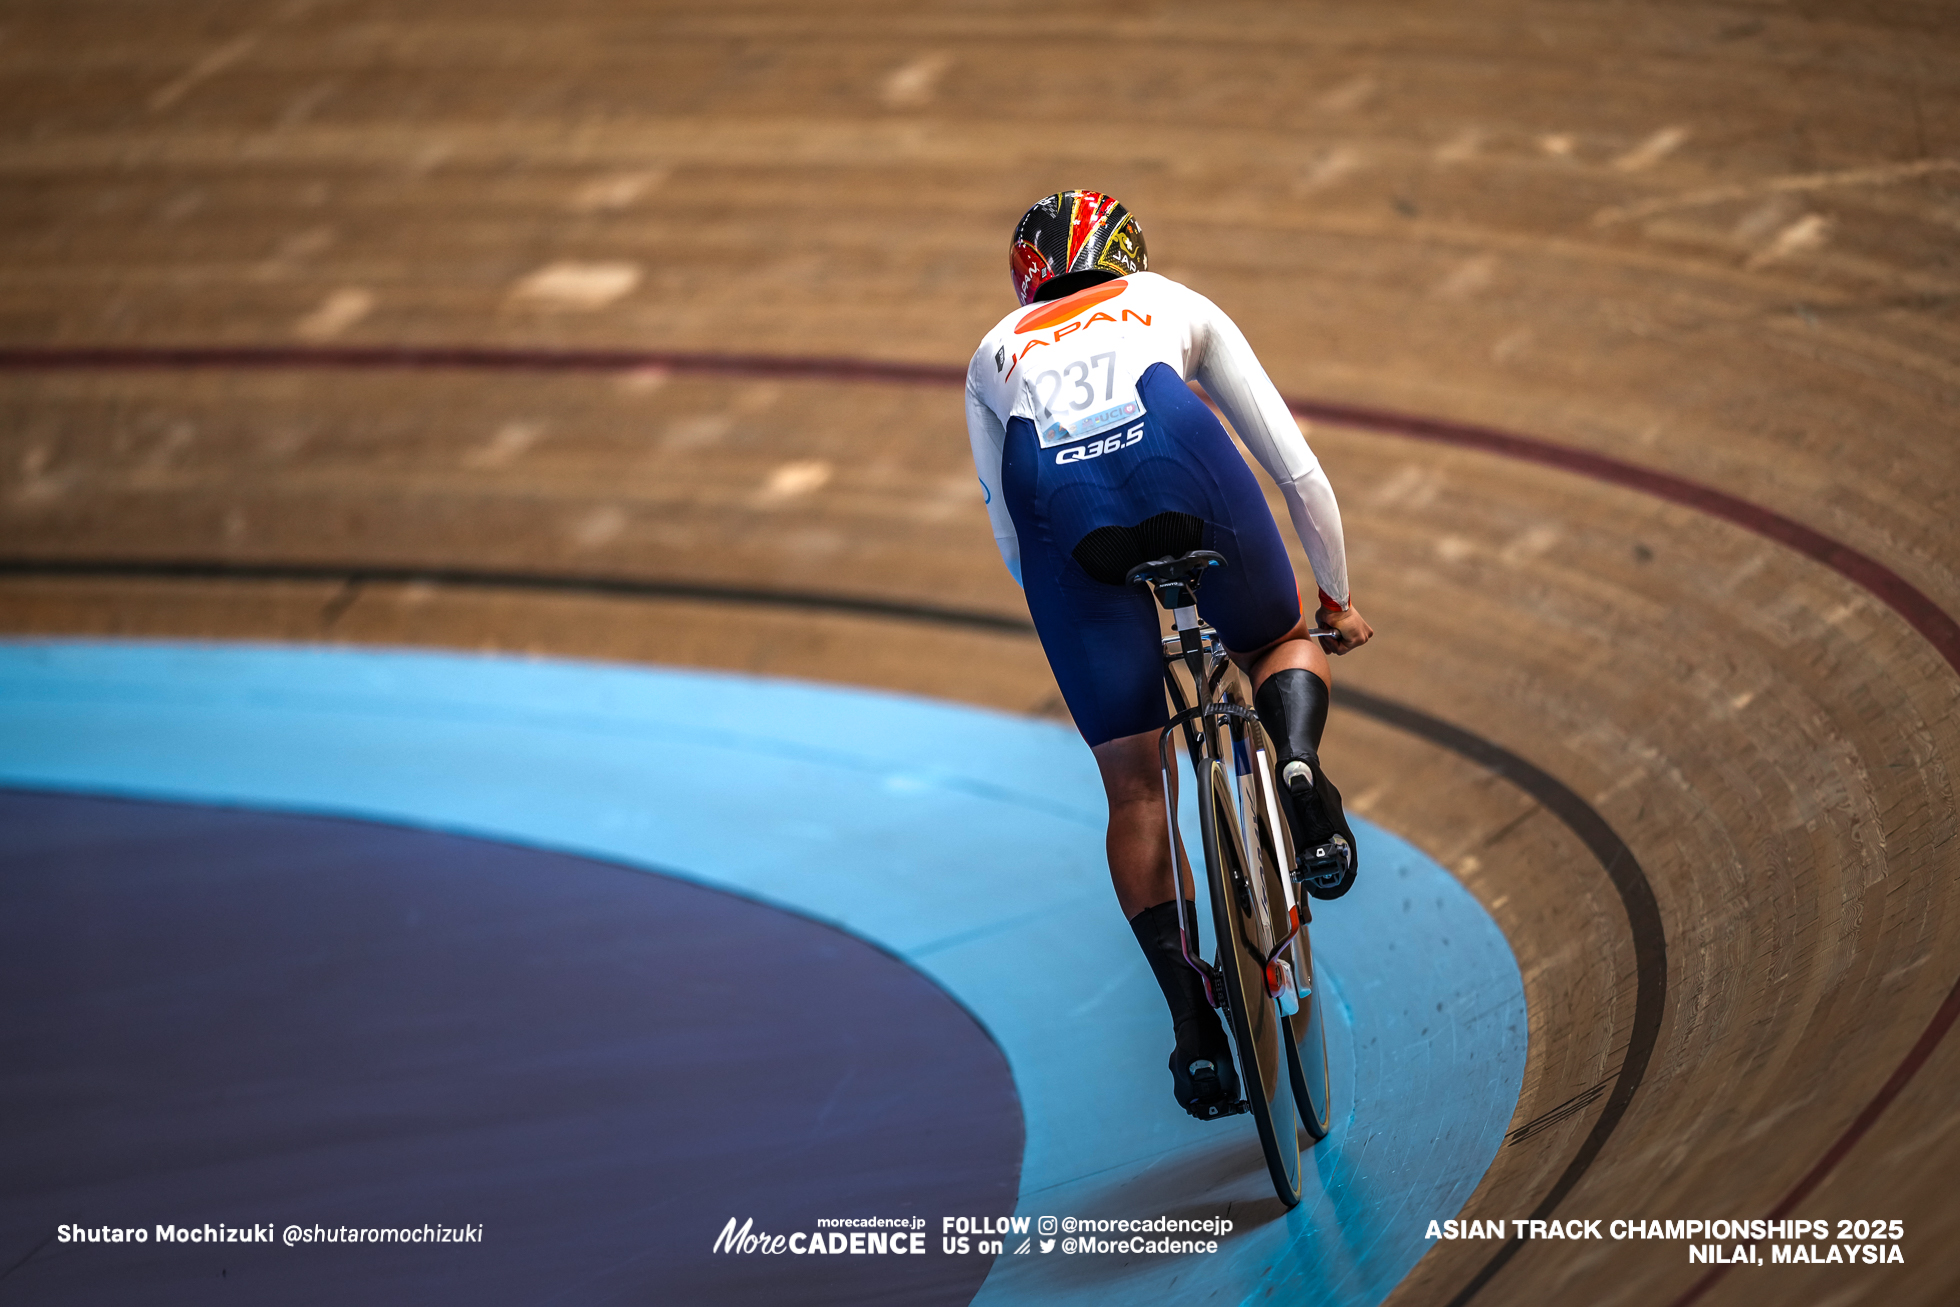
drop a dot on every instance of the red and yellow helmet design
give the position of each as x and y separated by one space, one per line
1074 231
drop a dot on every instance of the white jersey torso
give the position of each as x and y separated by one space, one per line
1071 366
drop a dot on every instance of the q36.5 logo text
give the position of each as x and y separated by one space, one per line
1097 448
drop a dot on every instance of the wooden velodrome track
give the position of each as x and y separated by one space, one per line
1712 242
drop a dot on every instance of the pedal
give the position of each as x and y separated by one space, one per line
1217 1111
1325 866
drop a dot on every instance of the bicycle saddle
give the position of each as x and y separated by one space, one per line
1179 569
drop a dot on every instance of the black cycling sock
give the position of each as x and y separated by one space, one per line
1198 1031
1292 706
1202 1076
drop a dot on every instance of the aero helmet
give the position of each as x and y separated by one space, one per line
1071 233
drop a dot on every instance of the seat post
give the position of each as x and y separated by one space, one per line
1180 599
1175 583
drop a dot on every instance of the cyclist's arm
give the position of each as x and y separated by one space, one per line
1231 375
989 438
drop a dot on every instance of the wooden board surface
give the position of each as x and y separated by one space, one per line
1716 241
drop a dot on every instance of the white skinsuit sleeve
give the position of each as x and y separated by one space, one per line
1231 375
989 438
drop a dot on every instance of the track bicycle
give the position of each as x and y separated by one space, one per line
1261 973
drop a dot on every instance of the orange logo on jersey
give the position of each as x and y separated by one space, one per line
1047 315
1063 311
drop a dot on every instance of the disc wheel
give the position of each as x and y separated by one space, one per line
1259 1031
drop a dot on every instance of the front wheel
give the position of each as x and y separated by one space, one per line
1306 1045
1306 1042
1259 1029
1306 1051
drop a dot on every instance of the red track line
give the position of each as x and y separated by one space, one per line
483 358
1925 617
1921 1051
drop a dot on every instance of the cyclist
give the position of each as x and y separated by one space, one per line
1094 456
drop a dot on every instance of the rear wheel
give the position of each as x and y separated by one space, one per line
1259 1030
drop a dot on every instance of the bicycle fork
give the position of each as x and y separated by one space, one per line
1256 787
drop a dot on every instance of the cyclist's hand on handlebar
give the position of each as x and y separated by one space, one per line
1352 627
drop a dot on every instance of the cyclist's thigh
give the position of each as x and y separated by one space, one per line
1255 600
1101 640
1101 643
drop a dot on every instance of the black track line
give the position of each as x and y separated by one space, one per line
469 578
1636 897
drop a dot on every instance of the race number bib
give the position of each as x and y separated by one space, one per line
1082 397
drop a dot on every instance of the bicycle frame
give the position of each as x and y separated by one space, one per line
1258 912
1204 726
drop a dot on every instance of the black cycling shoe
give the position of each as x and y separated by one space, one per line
1206 1085
1323 843
1201 1066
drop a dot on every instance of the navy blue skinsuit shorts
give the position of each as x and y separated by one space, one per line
1085 520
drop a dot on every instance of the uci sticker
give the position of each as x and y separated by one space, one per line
1128 411
1097 448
